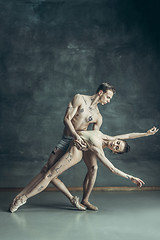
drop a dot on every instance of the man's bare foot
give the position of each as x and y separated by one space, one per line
76 203
17 202
89 206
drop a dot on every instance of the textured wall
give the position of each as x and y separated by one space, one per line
50 50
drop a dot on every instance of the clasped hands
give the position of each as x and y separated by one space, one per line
80 144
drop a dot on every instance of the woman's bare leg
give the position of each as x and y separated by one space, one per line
53 158
69 159
61 187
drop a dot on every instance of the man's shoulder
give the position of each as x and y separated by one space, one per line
77 96
77 99
80 95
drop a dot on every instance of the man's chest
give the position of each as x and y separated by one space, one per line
88 114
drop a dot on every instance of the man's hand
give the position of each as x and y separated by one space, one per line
137 181
80 144
152 131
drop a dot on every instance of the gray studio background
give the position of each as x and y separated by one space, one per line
51 50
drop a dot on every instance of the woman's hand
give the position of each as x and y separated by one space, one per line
152 131
137 181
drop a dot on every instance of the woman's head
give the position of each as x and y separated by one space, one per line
118 146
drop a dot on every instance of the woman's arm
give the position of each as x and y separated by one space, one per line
151 131
100 154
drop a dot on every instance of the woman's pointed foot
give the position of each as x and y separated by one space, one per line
76 203
17 202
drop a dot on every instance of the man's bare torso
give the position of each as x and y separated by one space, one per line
85 115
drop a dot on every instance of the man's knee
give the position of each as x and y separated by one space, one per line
93 169
44 169
49 175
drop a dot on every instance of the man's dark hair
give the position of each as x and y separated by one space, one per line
126 148
104 87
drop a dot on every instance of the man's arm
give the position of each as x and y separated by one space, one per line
70 113
151 131
100 154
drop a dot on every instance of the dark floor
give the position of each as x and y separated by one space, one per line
121 216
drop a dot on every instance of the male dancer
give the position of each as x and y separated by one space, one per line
82 111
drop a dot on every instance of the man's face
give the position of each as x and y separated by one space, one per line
105 97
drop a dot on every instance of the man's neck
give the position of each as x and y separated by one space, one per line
94 100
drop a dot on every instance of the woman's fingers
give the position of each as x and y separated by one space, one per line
137 181
140 182
157 130
153 130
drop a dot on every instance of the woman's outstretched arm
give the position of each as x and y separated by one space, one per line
151 131
100 154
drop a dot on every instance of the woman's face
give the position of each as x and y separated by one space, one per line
116 145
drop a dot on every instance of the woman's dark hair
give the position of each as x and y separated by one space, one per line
104 87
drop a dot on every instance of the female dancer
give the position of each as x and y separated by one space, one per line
95 141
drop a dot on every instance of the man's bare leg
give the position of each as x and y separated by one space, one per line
89 181
67 160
